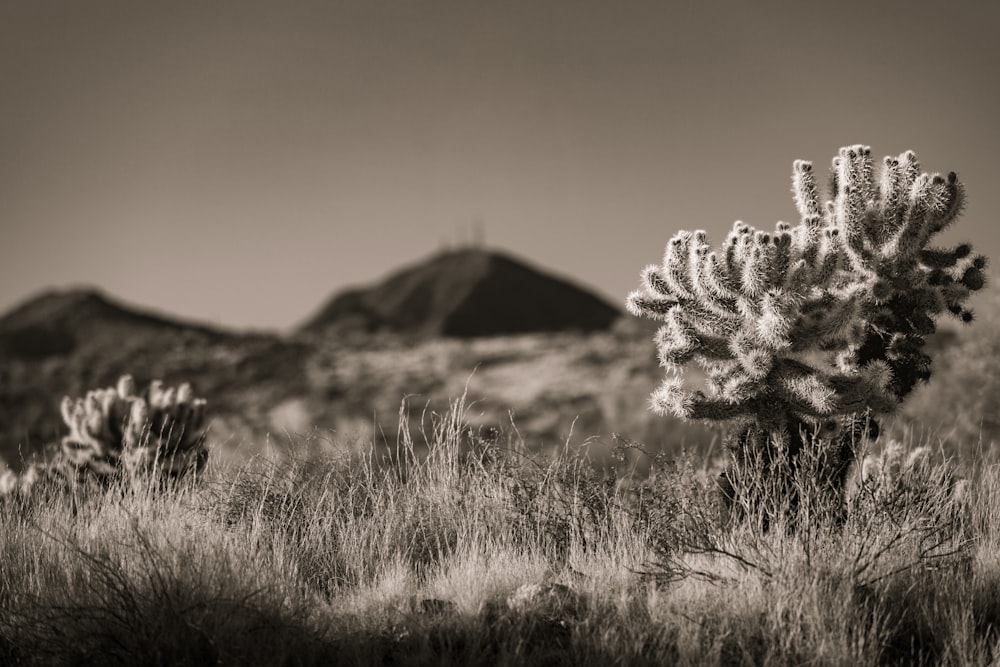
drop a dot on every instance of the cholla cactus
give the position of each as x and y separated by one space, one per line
819 327
9 481
117 429
894 463
14 485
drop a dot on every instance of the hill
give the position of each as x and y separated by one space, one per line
465 294
57 322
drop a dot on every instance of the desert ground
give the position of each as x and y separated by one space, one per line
492 500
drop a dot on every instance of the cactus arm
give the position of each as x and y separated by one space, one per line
804 189
671 399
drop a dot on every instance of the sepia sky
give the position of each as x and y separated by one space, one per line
237 161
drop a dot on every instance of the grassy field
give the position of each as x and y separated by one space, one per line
476 552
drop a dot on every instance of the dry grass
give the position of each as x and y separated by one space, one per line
410 558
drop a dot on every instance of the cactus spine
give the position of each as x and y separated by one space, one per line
806 333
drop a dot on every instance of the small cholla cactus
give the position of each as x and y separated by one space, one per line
902 474
8 480
807 333
117 429
886 469
13 485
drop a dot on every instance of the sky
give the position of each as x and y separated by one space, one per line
236 162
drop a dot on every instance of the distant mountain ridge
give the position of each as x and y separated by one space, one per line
54 322
77 303
465 294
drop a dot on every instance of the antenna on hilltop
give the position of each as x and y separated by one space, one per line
478 233
469 235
